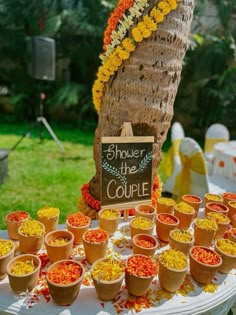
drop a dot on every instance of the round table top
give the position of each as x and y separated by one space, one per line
229 148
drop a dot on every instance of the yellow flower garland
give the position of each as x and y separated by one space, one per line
122 52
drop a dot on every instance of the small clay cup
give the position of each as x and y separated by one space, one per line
193 201
232 210
233 220
4 260
171 279
136 230
109 224
12 226
228 196
106 290
58 252
232 237
228 261
137 285
141 250
203 273
163 229
222 226
183 247
203 237
221 208
165 208
185 219
77 231
50 223
94 250
212 198
145 211
25 282
30 244
65 294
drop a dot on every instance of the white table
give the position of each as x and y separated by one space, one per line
196 302
224 159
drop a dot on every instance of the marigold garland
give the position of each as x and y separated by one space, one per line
122 51
89 206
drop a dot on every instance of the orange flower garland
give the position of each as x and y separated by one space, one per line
122 50
113 20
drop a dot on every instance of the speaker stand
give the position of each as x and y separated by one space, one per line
43 120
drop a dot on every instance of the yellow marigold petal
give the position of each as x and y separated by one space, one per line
172 4
147 33
164 6
137 35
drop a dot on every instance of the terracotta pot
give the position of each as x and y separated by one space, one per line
203 236
77 231
94 250
13 225
136 226
50 223
171 279
182 246
145 211
185 219
165 205
201 272
233 220
64 294
216 207
61 251
228 196
232 210
163 229
6 257
138 285
212 198
194 201
109 223
22 283
141 249
232 237
222 226
31 244
228 260
107 289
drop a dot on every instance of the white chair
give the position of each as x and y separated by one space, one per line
193 177
214 134
172 163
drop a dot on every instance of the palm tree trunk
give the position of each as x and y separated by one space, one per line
144 88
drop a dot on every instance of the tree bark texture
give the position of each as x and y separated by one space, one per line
144 88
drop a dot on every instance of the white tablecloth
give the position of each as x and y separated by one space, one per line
224 159
197 301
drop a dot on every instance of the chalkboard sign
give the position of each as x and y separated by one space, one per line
126 171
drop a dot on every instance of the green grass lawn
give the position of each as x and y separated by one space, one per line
40 175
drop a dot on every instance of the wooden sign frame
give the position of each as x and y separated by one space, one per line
141 150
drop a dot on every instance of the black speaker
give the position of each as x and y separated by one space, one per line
41 57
